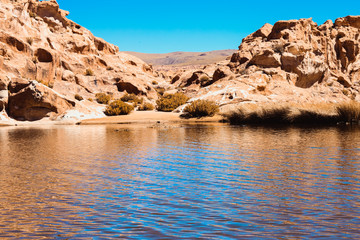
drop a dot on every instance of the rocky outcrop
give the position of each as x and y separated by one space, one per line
33 101
292 61
38 42
314 53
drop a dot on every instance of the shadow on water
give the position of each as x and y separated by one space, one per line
179 181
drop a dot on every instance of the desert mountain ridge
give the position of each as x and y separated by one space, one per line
47 59
180 59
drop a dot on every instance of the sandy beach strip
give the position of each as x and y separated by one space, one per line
148 117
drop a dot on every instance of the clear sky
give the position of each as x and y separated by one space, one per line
159 26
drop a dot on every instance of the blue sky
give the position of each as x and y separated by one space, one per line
158 26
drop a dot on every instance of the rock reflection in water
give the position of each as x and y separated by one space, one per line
192 181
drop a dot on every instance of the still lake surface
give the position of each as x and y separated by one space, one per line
179 182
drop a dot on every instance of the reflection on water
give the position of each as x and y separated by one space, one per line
190 182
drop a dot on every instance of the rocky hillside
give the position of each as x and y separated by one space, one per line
292 61
45 59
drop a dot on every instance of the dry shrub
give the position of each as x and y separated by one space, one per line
160 91
348 112
202 108
286 113
102 98
29 40
118 107
78 97
89 72
132 98
146 107
170 102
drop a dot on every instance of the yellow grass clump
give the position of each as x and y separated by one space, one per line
170 102
201 108
294 113
118 107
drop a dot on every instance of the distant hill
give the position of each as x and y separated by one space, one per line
184 58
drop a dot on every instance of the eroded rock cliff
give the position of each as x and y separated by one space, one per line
46 59
294 60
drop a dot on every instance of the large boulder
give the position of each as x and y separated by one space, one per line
35 102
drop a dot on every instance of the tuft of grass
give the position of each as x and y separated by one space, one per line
170 102
90 99
160 91
102 98
118 107
287 113
132 98
146 107
78 97
89 72
29 40
349 112
154 82
202 108
32 14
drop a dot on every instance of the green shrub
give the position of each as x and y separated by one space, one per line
118 107
202 108
154 82
103 98
132 98
146 107
89 72
78 97
170 102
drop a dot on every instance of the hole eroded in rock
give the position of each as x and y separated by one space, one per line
43 55
16 43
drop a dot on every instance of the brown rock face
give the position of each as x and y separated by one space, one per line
292 61
314 53
38 42
35 101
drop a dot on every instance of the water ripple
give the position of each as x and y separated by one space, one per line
186 182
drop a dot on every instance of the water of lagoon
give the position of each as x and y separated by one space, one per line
179 182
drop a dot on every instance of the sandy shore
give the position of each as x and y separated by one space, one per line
148 117
140 117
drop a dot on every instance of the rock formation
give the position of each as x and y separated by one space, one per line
38 42
294 60
45 59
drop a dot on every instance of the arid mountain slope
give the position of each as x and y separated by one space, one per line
292 61
184 58
38 42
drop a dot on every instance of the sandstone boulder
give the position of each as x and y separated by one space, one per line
267 59
35 102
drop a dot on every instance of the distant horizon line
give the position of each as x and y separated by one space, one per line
180 51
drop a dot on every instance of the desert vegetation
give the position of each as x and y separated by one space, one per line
201 108
169 102
146 107
348 112
118 107
89 72
78 97
132 98
287 113
102 98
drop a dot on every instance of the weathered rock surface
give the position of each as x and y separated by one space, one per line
292 61
38 42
